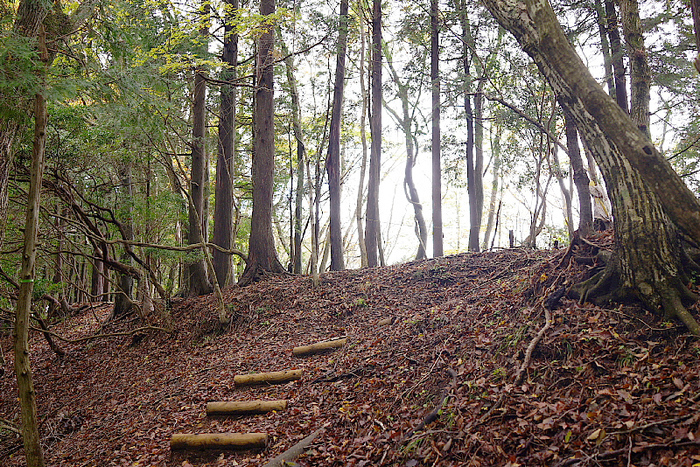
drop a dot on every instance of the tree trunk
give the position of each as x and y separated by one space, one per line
617 55
198 277
491 216
262 256
565 191
225 164
290 69
299 211
405 121
375 160
605 46
644 189
581 179
363 138
27 395
640 73
435 133
476 181
122 298
333 162
695 7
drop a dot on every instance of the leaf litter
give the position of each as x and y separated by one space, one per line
435 387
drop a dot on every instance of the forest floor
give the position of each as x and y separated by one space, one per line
603 386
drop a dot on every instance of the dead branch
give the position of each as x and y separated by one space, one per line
519 375
433 415
101 336
295 451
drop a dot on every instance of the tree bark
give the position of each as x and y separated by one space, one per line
333 162
438 249
375 160
225 164
644 189
262 257
640 73
27 395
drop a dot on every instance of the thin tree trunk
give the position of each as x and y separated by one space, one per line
122 298
617 55
491 216
605 46
290 70
581 179
363 137
695 7
27 395
405 121
225 165
375 162
476 185
435 133
198 278
565 191
299 212
333 162
640 73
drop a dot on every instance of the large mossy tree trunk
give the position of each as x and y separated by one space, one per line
262 257
650 201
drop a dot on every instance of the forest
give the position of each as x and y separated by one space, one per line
426 232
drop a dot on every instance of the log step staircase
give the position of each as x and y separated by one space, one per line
254 441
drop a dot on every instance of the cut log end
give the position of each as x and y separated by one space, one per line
218 441
245 407
277 377
319 347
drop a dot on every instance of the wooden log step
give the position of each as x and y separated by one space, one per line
319 347
244 407
218 441
276 377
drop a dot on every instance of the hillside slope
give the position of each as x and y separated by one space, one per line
602 387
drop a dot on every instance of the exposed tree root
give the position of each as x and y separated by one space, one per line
670 295
256 272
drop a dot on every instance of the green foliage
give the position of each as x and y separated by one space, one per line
19 71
